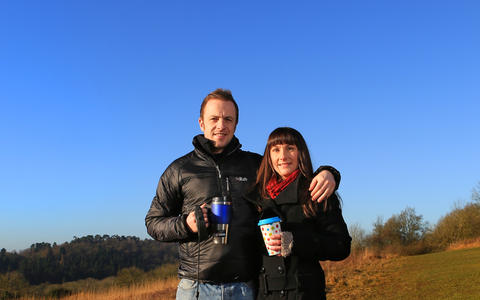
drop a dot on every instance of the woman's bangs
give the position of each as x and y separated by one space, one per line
281 138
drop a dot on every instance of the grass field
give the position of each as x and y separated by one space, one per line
153 290
443 275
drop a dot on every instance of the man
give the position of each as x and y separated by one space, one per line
216 167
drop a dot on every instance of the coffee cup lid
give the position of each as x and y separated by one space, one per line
269 220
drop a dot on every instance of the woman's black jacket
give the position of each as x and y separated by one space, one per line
324 237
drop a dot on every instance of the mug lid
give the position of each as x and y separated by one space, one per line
269 220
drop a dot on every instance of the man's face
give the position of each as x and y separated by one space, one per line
219 123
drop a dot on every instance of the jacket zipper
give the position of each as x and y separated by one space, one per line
219 179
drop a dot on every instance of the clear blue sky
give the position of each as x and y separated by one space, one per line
98 97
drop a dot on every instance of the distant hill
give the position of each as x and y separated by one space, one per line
87 257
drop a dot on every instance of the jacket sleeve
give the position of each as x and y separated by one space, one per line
330 240
165 221
335 173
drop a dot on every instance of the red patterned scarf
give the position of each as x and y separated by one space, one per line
274 188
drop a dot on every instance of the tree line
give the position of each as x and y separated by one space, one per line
407 233
91 256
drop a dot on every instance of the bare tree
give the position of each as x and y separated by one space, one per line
411 226
402 229
375 238
358 235
476 193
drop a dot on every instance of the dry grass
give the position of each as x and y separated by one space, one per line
356 275
154 290
465 244
164 289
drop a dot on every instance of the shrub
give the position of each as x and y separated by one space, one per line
6 295
417 248
129 276
12 283
463 222
58 293
163 272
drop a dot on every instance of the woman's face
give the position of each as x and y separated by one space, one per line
284 159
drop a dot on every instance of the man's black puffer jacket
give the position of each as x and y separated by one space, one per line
192 180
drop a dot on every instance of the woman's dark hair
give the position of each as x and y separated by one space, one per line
289 136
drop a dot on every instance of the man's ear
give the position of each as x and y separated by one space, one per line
200 122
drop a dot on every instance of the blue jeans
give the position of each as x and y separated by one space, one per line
187 290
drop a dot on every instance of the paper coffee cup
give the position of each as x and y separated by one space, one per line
270 227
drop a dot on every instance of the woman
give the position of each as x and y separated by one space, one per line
311 231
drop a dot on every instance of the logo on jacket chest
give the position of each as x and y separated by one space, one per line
241 179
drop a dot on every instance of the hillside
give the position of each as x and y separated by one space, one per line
443 275
91 256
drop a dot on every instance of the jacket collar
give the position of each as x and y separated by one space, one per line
205 146
288 196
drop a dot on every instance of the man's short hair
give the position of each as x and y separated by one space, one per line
221 94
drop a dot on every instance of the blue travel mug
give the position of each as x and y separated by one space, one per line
221 208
